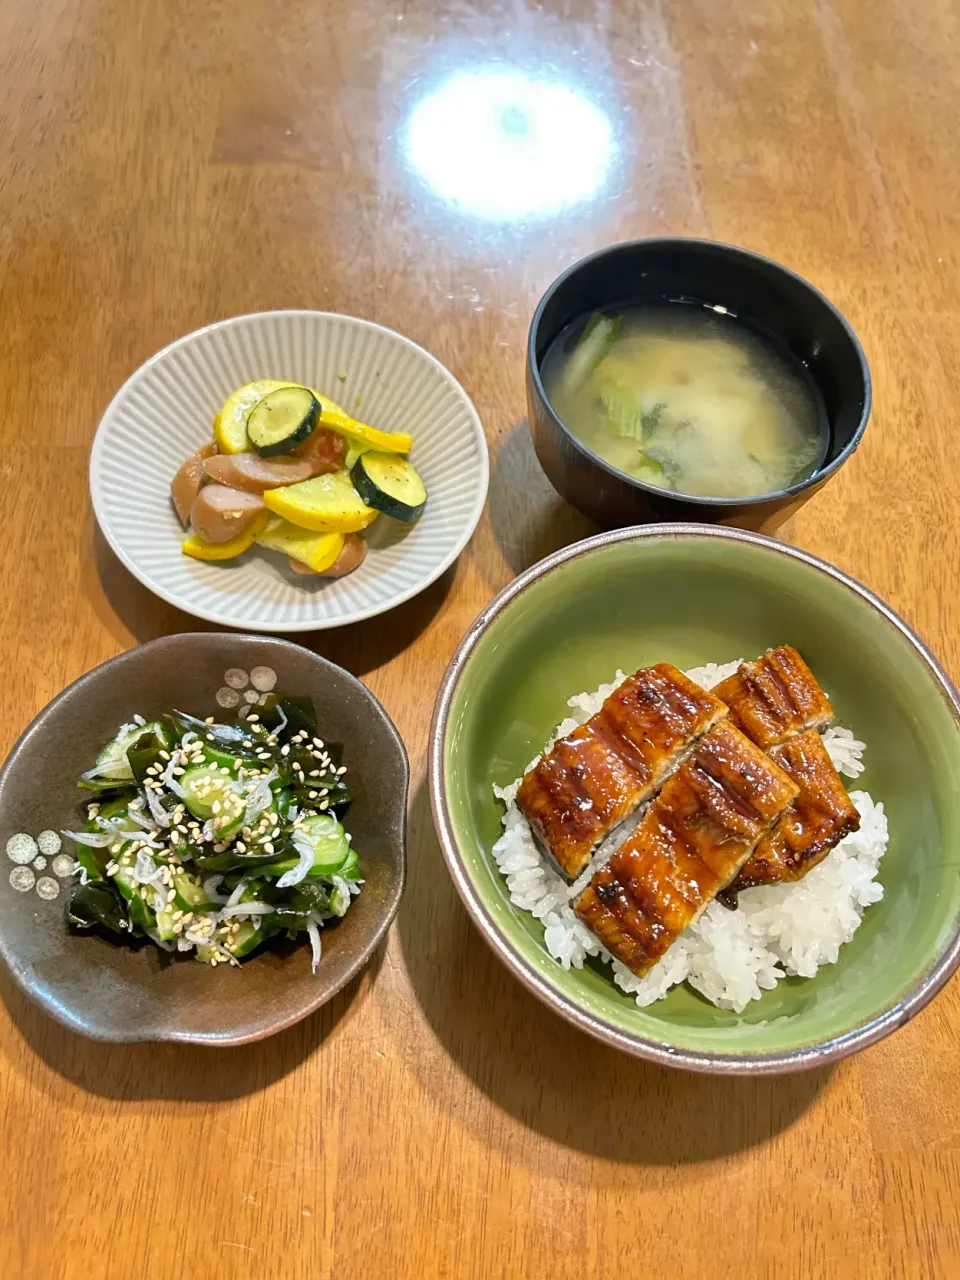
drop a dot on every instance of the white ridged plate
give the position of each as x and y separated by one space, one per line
165 411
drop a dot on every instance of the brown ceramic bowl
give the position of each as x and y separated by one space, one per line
121 993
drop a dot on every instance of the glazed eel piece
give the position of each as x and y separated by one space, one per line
818 819
690 843
775 698
598 775
778 702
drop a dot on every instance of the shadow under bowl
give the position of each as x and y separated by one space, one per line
763 293
693 594
124 993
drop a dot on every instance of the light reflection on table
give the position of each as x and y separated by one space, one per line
501 144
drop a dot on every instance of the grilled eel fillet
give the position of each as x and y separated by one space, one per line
689 845
595 777
818 819
775 698
779 704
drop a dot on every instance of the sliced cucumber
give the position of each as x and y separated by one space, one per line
112 764
390 484
330 848
330 845
351 868
282 420
208 793
140 913
247 936
165 925
189 891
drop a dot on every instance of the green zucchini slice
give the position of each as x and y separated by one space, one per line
282 420
390 484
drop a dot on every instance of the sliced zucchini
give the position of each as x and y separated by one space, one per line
200 549
326 504
230 425
389 484
318 550
282 420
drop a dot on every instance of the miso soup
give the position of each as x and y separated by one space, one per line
687 398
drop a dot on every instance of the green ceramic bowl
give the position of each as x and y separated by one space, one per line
691 594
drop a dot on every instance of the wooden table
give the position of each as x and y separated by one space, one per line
167 164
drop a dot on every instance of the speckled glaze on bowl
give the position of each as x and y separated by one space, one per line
691 594
114 992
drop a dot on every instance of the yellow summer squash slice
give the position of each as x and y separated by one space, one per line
326 504
230 426
317 550
200 549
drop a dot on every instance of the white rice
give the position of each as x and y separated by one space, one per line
730 957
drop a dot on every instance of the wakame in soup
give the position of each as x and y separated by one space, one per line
687 397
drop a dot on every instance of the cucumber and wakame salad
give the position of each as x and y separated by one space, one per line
211 837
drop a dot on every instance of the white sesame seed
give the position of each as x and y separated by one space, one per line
285 749
208 720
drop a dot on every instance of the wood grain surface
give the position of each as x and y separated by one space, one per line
168 163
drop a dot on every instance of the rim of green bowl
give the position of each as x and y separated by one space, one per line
810 1056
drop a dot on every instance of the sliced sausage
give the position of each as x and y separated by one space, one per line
220 513
186 484
354 550
255 474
